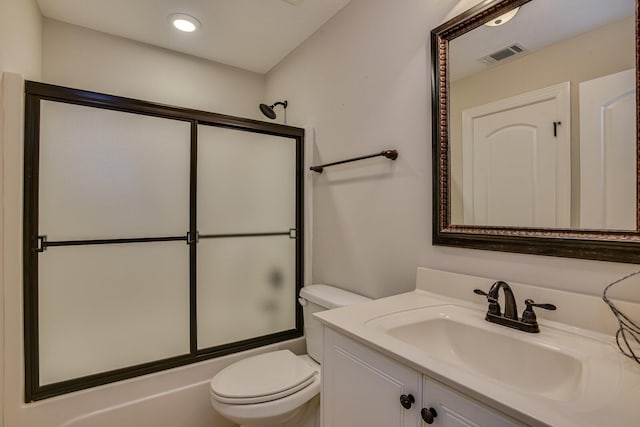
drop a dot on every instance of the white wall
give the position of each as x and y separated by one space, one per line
363 81
20 38
20 52
84 59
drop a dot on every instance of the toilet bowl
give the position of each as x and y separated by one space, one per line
279 388
269 389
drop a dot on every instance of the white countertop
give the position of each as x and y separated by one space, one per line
618 408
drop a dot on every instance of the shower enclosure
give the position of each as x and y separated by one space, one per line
154 237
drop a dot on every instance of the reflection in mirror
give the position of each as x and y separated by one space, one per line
542 118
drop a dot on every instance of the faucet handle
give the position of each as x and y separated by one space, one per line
494 306
529 316
530 303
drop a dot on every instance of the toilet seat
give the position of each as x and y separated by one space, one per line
262 378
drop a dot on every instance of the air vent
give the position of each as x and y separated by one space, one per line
502 54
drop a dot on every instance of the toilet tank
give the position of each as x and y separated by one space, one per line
314 298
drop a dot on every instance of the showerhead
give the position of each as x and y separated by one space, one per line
267 110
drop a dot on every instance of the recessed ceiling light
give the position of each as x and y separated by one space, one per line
184 22
502 19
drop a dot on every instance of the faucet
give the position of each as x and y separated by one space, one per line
510 307
528 322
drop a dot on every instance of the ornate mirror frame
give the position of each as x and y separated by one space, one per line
605 245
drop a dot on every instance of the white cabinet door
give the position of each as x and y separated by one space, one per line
361 387
455 410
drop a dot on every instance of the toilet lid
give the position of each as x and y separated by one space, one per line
262 378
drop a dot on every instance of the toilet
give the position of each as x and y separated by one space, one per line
279 388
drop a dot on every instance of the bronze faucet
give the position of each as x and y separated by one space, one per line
528 322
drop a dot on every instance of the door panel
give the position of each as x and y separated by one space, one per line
455 410
608 152
246 182
110 174
246 288
363 388
105 307
516 161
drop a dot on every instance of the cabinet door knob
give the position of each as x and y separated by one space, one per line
428 414
406 400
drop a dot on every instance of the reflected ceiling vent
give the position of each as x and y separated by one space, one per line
502 54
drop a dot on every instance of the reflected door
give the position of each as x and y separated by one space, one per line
608 152
516 161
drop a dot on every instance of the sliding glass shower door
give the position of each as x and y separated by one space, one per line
154 237
246 270
105 177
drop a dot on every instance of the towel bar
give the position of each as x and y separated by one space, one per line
389 154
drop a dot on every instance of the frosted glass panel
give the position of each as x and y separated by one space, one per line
109 174
246 288
246 182
106 307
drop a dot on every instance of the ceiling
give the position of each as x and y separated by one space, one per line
251 34
537 24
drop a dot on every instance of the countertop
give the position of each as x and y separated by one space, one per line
619 407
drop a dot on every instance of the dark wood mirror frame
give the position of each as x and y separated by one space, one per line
604 245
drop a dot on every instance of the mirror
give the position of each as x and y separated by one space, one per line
535 142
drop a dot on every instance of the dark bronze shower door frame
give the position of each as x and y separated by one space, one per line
33 243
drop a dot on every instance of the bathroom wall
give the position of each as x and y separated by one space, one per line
80 58
20 52
20 38
363 82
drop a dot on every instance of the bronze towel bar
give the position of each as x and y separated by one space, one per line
389 154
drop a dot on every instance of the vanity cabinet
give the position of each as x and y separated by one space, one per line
361 387
456 410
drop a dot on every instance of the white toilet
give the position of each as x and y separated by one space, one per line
279 388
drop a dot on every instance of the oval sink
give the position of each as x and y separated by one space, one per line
553 364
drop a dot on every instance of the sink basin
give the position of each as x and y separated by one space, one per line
554 364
